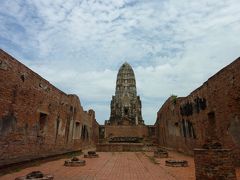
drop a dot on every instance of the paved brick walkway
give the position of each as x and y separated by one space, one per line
122 166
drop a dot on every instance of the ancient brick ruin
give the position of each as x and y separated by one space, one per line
182 122
214 164
38 120
126 105
126 122
207 118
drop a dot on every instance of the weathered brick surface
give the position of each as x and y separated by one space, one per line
211 110
147 132
211 164
134 131
36 118
120 147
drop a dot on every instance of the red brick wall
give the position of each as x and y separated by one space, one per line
214 164
217 101
143 131
95 127
119 147
130 131
25 97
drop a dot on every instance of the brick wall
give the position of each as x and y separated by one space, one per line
130 131
214 164
147 132
36 118
120 147
211 110
95 127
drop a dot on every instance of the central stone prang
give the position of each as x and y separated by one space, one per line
125 105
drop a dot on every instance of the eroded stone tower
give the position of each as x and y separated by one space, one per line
126 105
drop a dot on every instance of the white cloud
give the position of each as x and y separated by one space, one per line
174 46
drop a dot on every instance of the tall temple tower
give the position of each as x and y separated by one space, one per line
126 105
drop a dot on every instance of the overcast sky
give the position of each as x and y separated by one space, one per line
78 45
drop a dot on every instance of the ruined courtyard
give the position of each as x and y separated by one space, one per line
194 137
115 165
119 89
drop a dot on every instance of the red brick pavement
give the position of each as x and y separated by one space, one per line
116 165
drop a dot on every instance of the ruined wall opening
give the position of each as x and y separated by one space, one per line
42 122
191 130
211 118
211 132
77 131
188 129
23 77
84 134
184 128
57 129
125 111
8 124
68 124
234 130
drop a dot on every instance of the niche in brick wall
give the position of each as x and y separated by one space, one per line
77 130
199 104
211 131
42 122
234 130
57 128
23 77
188 130
3 65
85 134
7 124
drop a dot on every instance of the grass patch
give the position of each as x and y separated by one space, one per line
174 98
17 170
